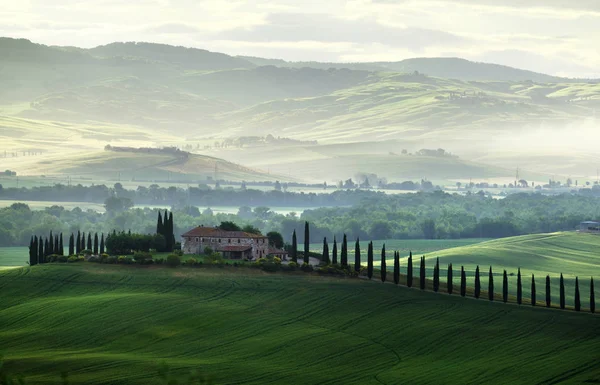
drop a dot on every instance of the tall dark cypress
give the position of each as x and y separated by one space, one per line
294 250
577 297
40 258
383 264
55 248
396 267
306 243
505 287
96 246
47 250
548 296
449 284
50 248
463 281
477 283
436 276
519 288
592 296
357 255
166 231
344 253
82 247
491 285
160 225
533 294
326 252
422 273
90 246
171 234
61 247
31 258
78 243
370 261
72 244
562 292
102 244
409 271
334 253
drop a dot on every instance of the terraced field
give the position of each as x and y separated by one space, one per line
114 324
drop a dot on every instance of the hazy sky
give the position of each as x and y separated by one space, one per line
553 36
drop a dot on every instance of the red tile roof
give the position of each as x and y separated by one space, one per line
214 232
234 248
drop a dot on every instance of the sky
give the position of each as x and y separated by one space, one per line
558 37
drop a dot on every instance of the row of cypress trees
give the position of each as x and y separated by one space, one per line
165 227
41 248
436 273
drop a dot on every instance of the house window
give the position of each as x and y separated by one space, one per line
196 239
239 240
219 240
229 240
202 239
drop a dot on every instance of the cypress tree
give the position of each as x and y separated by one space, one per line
334 259
463 282
55 248
90 246
31 251
102 244
396 267
160 225
409 271
505 287
96 244
519 288
422 274
344 253
171 234
61 247
533 297
50 248
383 264
357 256
592 297
370 260
436 276
82 247
477 283
294 250
306 243
47 249
548 296
577 298
562 292
449 284
78 243
326 252
491 285
166 231
40 257
72 244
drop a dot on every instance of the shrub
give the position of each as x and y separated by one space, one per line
63 258
94 259
306 267
214 258
143 257
86 252
52 258
173 260
208 250
103 256
111 260
159 261
191 262
80 259
125 260
72 258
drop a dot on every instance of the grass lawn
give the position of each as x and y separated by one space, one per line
13 256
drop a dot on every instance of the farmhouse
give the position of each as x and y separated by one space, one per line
232 244
589 227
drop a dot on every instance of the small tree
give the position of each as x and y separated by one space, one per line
491 285
334 259
40 255
357 256
344 253
505 287
370 260
383 264
562 292
548 296
306 243
82 246
61 247
449 284
463 282
78 243
294 250
422 274
102 244
396 267
533 294
326 252
275 239
577 298
519 288
90 246
477 283
592 297
409 271
436 276
96 244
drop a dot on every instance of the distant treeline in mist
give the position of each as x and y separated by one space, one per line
374 216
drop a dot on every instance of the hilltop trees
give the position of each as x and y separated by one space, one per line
463 282
306 243
519 288
396 267
505 287
449 284
409 271
102 244
165 227
334 259
533 294
436 276
89 242
33 250
562 292
383 264
96 246
82 246
592 297
357 256
477 291
370 260
71 245
326 259
344 252
577 298
294 250
548 296
491 285
78 243
422 274
61 248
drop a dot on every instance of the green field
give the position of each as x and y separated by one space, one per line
114 324
13 256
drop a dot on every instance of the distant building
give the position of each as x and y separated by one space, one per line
589 227
232 244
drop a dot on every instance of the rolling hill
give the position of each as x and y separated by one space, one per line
102 323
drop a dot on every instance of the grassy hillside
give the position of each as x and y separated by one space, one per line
115 324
